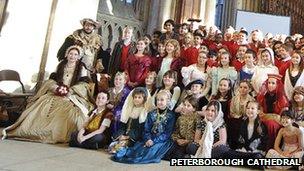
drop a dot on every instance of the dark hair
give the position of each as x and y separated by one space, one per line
288 113
159 33
184 24
170 21
198 34
274 45
193 101
140 91
247 82
277 42
105 92
171 74
216 104
212 53
148 36
252 52
244 32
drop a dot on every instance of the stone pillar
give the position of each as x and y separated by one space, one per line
164 12
153 16
210 12
202 10
229 14
196 9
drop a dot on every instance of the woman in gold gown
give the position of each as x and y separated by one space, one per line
59 107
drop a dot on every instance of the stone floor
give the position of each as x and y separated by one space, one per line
21 155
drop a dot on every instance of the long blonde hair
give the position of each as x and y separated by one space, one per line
175 43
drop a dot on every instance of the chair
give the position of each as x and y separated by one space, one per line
11 75
9 100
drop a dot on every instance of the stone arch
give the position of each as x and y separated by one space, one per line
99 31
119 35
138 34
110 35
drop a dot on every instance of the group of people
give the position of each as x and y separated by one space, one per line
181 93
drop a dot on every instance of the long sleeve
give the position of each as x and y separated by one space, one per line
125 92
264 139
148 126
233 75
128 63
175 97
146 64
241 138
186 72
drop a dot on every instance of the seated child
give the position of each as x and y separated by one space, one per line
133 117
118 95
290 136
95 133
253 133
157 132
184 128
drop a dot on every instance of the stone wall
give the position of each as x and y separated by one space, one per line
114 15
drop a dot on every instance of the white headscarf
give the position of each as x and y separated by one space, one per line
206 142
129 105
271 57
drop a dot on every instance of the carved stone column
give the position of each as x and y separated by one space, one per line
164 12
210 12
203 10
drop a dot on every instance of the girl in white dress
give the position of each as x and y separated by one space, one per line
197 71
265 66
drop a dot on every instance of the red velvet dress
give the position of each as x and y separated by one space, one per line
238 65
124 56
272 103
189 55
256 48
232 47
284 66
176 65
138 68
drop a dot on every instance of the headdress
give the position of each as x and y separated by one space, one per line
91 21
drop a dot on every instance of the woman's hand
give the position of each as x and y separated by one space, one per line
149 143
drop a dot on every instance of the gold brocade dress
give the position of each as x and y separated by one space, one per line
50 118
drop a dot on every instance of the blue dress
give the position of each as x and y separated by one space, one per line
246 74
158 128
